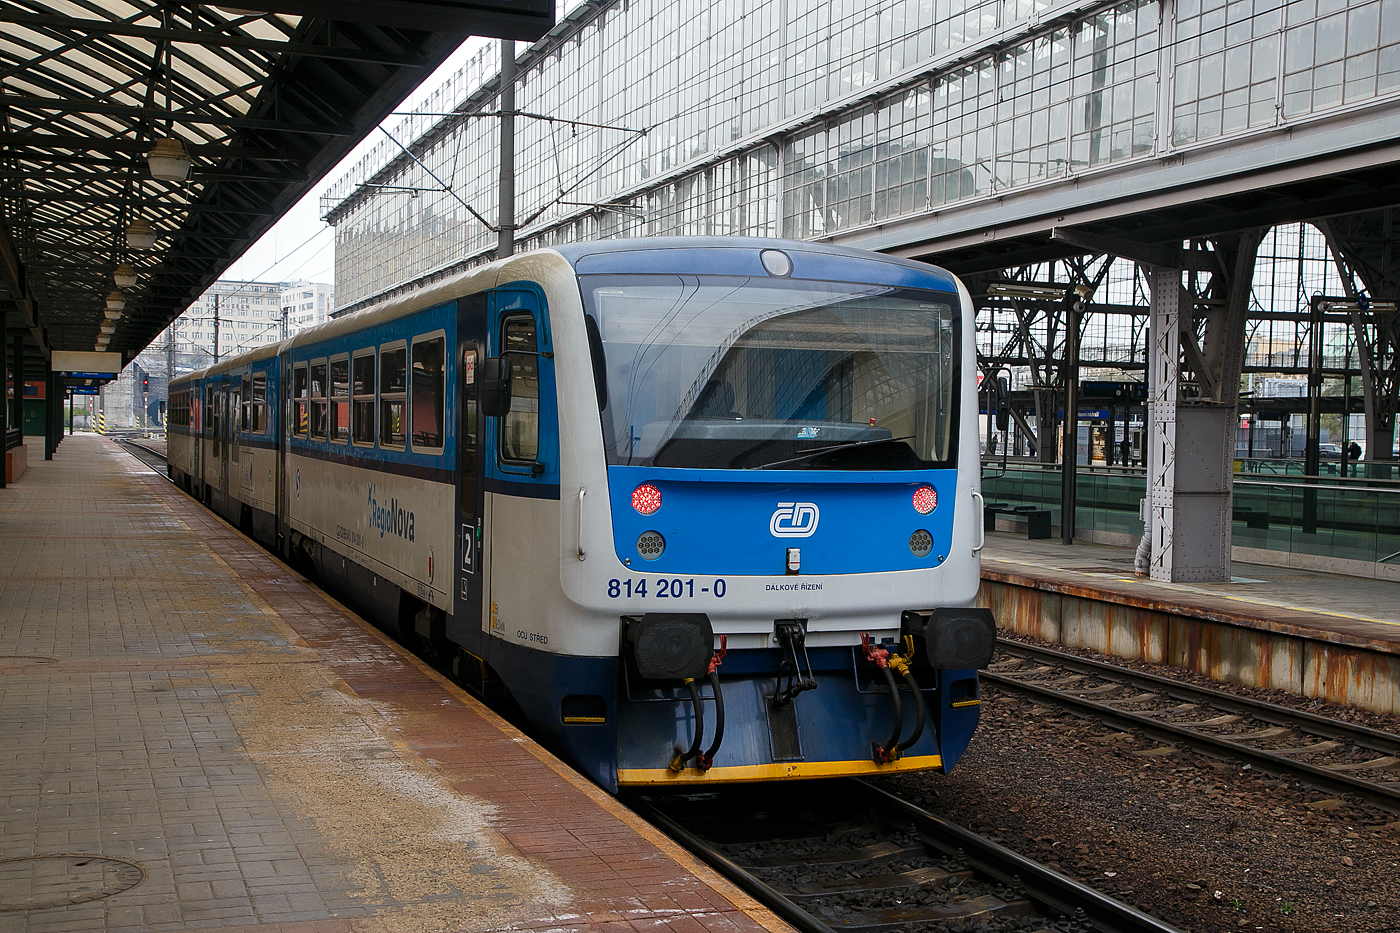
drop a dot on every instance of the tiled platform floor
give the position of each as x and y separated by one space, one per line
173 698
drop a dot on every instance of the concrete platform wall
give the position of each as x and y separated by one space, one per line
1326 665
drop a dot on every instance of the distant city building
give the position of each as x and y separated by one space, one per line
307 304
250 315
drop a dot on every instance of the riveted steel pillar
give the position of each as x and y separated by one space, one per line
1189 456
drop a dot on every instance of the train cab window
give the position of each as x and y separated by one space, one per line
259 403
318 400
246 404
427 394
362 393
300 397
393 392
520 428
340 399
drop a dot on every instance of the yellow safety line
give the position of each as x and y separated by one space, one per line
633 777
1191 589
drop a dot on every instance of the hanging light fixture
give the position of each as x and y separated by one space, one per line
107 327
112 315
124 275
115 300
168 160
140 235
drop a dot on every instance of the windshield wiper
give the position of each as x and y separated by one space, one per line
817 451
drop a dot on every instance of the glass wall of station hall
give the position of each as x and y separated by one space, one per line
808 118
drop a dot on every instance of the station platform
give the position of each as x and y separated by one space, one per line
197 738
1312 633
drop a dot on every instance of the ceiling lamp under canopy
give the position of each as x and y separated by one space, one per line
140 235
168 160
115 300
124 275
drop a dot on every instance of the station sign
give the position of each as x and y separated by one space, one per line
85 390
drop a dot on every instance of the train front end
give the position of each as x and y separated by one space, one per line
792 512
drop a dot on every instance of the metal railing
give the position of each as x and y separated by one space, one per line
1353 518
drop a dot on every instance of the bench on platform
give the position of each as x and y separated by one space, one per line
1037 519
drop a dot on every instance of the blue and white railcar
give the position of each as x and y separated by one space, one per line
242 392
655 485
184 405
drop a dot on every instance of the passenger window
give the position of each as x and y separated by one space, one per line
428 392
318 400
520 428
208 407
393 384
362 389
299 393
259 403
245 413
340 399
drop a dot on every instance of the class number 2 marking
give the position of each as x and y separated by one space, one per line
665 588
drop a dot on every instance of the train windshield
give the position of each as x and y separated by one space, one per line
714 372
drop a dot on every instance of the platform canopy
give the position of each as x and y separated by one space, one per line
261 100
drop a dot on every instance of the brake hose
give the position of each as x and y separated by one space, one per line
708 759
678 763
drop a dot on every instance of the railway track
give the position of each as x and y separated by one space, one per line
1331 755
843 856
148 455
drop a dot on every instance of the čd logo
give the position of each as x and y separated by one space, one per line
795 520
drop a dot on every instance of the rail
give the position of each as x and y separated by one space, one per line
1345 758
848 856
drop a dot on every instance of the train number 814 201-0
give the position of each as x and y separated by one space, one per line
665 588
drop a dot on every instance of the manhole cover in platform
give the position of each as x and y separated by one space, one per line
11 662
42 881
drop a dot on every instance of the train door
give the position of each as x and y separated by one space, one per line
224 436
471 539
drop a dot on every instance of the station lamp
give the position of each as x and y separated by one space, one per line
168 160
115 301
1027 290
140 234
124 275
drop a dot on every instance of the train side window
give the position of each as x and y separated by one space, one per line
428 393
393 393
299 394
259 404
318 400
246 405
520 427
362 391
208 407
340 399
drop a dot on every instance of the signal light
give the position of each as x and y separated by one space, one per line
646 498
925 499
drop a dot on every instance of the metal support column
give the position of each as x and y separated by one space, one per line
1312 452
49 444
5 388
505 216
1069 456
1189 456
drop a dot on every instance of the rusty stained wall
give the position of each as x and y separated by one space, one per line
1229 653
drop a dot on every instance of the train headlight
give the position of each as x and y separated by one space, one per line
925 499
921 543
651 545
646 498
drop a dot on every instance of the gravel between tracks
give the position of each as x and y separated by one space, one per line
1204 844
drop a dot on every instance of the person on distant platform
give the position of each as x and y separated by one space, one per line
1353 451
